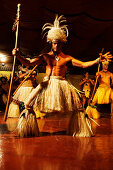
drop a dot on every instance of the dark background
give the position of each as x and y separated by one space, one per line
90 25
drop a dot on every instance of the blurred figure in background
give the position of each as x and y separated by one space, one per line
2 92
23 91
104 93
86 84
4 88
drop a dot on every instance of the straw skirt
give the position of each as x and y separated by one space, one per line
57 95
21 95
103 95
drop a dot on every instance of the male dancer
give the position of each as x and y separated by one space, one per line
86 82
55 95
104 93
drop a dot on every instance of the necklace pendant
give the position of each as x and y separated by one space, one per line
57 58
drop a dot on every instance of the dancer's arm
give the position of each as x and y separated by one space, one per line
92 81
81 64
26 61
82 81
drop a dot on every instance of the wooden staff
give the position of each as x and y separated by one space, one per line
10 87
96 79
25 79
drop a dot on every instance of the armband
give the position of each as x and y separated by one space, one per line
92 106
98 60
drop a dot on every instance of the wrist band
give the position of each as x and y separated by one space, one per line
92 106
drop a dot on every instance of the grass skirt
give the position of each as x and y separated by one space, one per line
27 124
92 112
20 95
80 126
13 110
57 95
103 95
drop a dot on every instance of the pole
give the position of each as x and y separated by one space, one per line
13 69
96 78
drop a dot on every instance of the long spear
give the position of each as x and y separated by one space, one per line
16 24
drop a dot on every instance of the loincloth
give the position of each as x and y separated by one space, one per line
87 93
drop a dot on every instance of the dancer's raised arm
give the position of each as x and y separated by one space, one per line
81 64
26 61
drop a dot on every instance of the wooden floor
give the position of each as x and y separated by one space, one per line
54 150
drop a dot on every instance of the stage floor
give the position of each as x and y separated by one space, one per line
54 150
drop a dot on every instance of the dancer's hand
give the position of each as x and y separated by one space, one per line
105 57
16 52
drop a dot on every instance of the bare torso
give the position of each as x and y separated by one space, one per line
54 67
104 78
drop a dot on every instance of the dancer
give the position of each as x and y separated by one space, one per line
54 94
104 93
86 82
22 93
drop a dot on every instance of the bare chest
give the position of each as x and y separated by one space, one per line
56 61
105 75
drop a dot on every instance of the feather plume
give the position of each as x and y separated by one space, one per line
55 31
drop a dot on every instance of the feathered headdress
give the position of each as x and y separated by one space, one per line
55 31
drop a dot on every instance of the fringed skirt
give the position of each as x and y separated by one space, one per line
27 124
103 95
80 126
92 112
57 95
20 95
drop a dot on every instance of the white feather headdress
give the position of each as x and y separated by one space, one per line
55 31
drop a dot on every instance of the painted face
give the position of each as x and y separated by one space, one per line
56 46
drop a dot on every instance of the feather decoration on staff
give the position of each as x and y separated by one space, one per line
27 123
13 69
14 27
